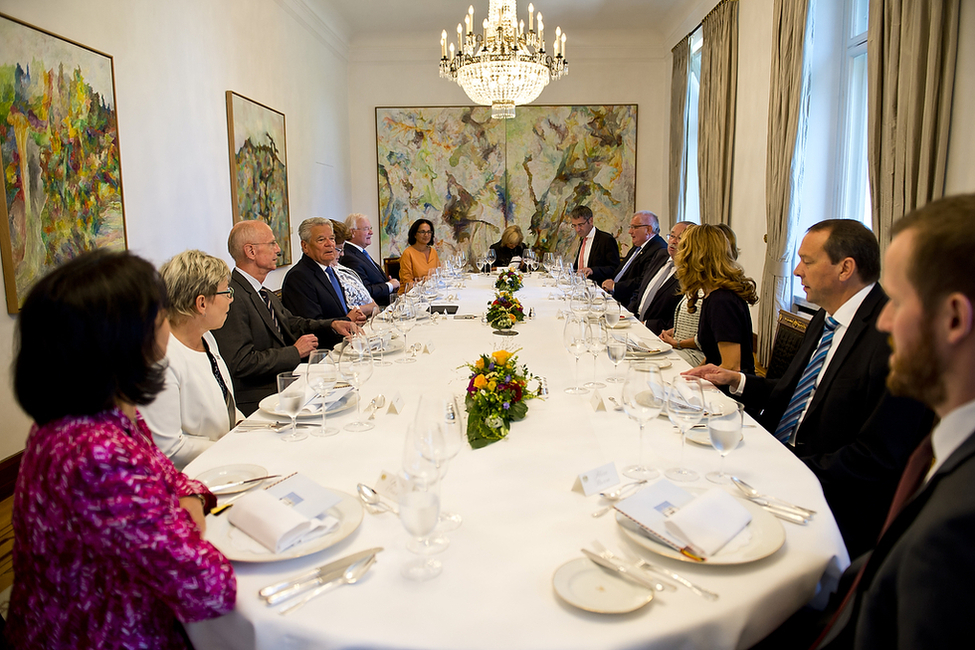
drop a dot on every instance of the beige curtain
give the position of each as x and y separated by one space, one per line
912 46
678 121
716 116
787 110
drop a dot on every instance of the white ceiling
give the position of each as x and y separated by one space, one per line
366 18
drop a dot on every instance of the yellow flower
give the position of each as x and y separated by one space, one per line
479 364
492 385
480 382
501 357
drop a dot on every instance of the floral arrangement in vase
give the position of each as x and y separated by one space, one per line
509 281
496 396
504 311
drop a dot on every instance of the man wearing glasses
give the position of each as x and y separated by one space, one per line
659 292
598 254
379 285
261 338
648 246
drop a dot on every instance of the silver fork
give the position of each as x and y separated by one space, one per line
659 585
647 566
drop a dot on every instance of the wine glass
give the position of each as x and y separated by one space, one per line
491 256
685 406
356 366
405 321
579 301
597 304
574 339
616 351
612 313
724 427
596 340
291 398
643 400
419 510
438 435
382 325
322 375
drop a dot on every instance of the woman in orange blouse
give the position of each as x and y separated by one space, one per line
419 258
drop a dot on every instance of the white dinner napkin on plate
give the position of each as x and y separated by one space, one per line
710 520
274 524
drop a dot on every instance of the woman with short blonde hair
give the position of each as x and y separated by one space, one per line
510 246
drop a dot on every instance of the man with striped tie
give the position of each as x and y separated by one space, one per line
831 406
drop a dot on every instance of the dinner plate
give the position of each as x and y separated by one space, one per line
701 436
231 474
621 324
237 545
270 405
584 584
762 537
396 344
652 349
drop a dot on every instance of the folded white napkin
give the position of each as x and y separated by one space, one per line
314 405
274 524
710 521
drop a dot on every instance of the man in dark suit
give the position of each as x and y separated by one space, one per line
657 297
644 233
831 406
914 589
598 254
261 338
379 285
311 289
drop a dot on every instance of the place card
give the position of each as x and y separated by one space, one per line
597 480
428 347
388 485
396 404
596 402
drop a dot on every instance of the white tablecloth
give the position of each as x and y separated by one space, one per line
521 519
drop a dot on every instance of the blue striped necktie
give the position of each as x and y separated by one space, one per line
785 432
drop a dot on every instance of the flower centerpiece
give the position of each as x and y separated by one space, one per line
509 281
504 312
496 396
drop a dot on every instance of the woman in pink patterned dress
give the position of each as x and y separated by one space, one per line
108 546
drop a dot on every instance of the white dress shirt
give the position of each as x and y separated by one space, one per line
950 433
586 247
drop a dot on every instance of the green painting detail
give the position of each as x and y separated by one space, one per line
60 154
473 176
260 172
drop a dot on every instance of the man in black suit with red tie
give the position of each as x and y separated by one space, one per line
379 285
598 254
647 244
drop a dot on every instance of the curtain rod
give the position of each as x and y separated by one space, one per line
713 9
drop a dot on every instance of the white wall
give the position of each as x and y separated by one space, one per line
174 61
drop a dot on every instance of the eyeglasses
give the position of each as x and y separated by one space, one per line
228 292
424 232
273 242
642 225
674 237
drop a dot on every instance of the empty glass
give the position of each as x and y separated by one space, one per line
323 373
419 510
724 428
685 406
382 325
643 400
405 315
439 437
491 256
574 339
355 364
596 340
291 398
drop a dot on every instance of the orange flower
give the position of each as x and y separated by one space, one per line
480 382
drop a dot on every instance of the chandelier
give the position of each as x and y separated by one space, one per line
504 65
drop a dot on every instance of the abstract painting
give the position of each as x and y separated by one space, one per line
473 176
62 175
259 167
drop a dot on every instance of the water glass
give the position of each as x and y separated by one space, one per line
643 400
419 510
616 351
291 399
323 373
685 406
355 364
724 428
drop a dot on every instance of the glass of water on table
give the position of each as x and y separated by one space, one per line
291 398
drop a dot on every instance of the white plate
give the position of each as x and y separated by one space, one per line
396 344
231 474
584 584
759 539
270 404
622 324
653 349
236 545
701 436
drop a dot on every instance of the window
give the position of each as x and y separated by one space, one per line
692 188
832 182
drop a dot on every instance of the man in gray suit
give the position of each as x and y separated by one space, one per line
260 337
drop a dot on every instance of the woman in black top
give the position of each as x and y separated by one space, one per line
511 245
704 263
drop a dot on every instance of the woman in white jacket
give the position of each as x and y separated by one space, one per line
197 406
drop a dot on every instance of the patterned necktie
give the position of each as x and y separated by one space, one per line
330 272
786 430
266 297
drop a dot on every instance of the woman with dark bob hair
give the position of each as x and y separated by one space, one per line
419 258
109 548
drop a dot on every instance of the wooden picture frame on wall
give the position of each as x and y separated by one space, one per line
259 167
60 163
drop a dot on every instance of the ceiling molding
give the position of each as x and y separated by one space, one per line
330 32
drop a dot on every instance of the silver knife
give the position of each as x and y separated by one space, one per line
326 570
621 570
227 486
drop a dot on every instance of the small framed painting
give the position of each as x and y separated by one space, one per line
259 167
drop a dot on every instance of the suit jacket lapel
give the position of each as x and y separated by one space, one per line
259 306
322 277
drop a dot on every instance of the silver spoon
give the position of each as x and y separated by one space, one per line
371 498
377 403
616 405
616 495
350 577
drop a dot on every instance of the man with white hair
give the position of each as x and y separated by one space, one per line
648 245
379 285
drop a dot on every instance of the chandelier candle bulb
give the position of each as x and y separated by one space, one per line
558 38
443 44
531 14
562 47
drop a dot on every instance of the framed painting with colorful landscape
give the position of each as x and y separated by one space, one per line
473 176
61 170
259 167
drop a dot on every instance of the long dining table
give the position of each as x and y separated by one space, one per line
522 517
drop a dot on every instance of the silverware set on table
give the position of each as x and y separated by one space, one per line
637 570
781 509
311 584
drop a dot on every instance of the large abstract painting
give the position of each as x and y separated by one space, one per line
473 176
62 175
259 167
